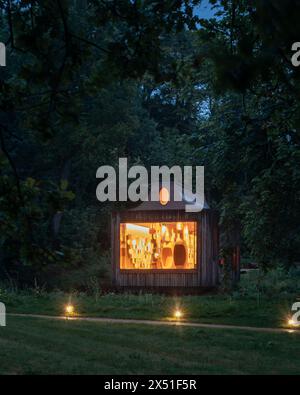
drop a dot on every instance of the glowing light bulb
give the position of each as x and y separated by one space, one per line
179 226
69 309
178 314
164 196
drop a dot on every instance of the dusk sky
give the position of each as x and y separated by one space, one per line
204 10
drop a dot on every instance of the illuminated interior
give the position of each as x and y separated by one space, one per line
158 246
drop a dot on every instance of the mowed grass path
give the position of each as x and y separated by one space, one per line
37 346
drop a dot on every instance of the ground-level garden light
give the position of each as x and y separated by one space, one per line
178 314
69 310
292 322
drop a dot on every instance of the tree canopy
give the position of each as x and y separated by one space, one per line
88 82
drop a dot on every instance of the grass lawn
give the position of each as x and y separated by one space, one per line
36 346
247 307
218 309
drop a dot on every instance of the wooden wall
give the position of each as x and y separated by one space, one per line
209 250
206 272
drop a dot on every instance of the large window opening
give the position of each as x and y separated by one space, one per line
158 246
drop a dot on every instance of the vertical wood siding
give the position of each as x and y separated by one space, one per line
206 273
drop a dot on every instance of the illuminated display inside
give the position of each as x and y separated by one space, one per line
158 246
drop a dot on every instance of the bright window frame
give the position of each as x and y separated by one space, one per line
149 268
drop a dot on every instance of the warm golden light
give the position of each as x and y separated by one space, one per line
137 228
164 196
178 314
179 226
158 246
69 309
291 323
186 232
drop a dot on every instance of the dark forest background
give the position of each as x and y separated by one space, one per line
88 82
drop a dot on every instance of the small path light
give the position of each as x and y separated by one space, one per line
178 314
69 310
291 322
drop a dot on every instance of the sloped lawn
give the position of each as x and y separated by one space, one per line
35 346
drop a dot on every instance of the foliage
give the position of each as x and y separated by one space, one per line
91 81
250 142
276 283
260 300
